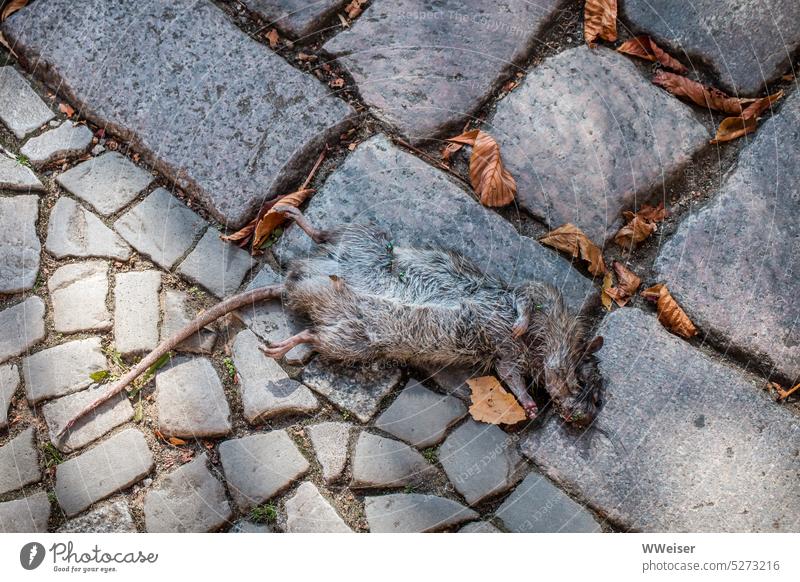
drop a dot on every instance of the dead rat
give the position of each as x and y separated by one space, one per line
368 300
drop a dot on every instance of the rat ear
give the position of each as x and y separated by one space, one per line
594 345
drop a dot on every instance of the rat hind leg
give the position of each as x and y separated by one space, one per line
280 349
317 235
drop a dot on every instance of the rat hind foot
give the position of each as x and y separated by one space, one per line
280 349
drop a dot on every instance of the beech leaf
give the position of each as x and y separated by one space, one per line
599 21
176 441
645 47
272 220
627 284
11 8
571 239
735 127
639 225
670 314
698 93
491 181
491 403
605 296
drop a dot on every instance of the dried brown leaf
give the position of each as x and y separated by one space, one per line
645 47
735 127
698 93
272 220
571 239
605 297
599 21
492 404
354 8
449 149
653 213
242 235
491 181
639 225
11 8
176 441
670 314
627 284
66 109
273 38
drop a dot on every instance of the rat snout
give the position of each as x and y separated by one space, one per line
581 414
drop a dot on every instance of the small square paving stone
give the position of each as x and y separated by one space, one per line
414 513
747 43
272 323
425 67
232 135
9 382
538 506
65 141
21 326
258 467
73 231
379 462
136 311
267 391
62 369
78 292
307 511
19 243
419 416
191 400
420 206
299 18
479 527
217 265
160 227
21 109
615 149
189 500
331 442
117 463
113 517
15 176
108 182
748 232
481 461
19 462
684 442
178 314
358 389
90 427
26 515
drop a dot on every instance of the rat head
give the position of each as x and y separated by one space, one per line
572 379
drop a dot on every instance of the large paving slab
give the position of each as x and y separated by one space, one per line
330 441
616 148
73 231
419 206
136 311
259 466
9 382
19 244
78 292
65 141
746 234
191 400
16 176
379 462
113 517
190 499
356 389
21 109
425 67
161 86
307 511
747 43
420 416
26 515
538 506
178 313
19 462
266 389
297 17
109 467
161 227
481 461
90 427
21 326
414 513
684 442
62 369
479 527
217 265
107 183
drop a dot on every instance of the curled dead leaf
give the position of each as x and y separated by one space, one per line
698 93
66 109
11 8
492 404
627 284
735 127
449 149
645 47
639 225
605 296
599 21
571 239
273 38
670 314
491 181
354 8
176 441
272 220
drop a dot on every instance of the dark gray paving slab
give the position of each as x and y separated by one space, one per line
109 467
687 443
307 511
479 527
19 462
616 148
16 176
113 517
136 311
26 515
9 382
65 141
732 264
190 499
747 43
538 506
78 292
425 67
107 183
22 326
296 17
62 369
73 231
330 441
178 313
418 206
161 86
217 265
414 513
21 109
19 244
379 462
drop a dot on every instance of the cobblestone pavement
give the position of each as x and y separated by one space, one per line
187 119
